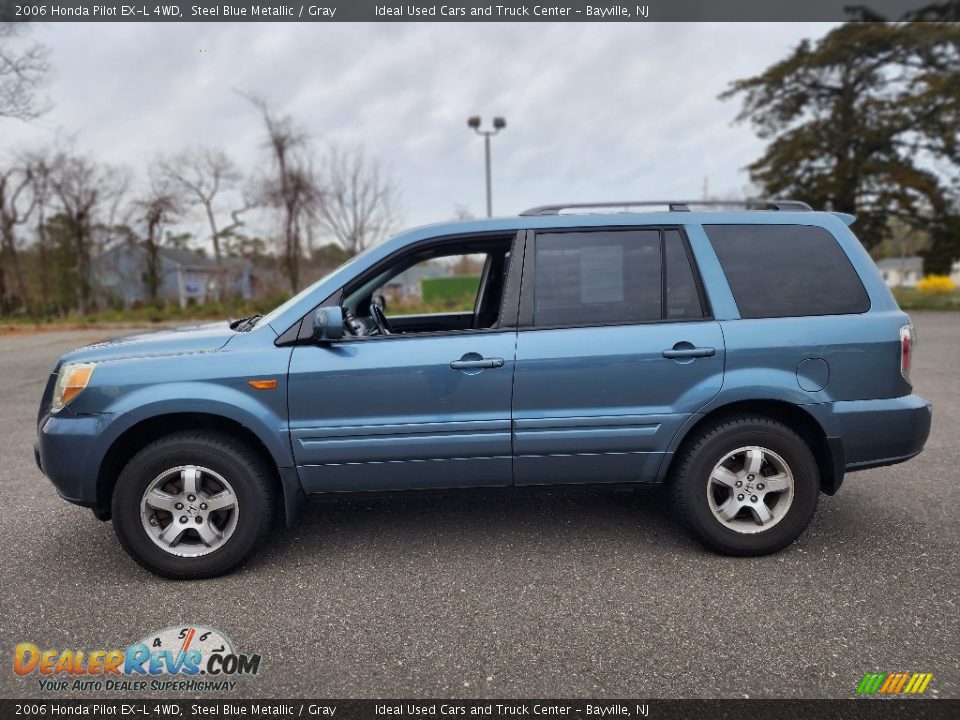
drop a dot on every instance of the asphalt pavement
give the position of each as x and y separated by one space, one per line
598 594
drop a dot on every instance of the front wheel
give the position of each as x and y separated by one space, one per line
193 505
746 486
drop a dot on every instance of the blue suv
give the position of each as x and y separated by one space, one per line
748 357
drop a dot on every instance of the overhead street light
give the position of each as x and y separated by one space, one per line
499 124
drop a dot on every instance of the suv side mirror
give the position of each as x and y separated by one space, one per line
328 324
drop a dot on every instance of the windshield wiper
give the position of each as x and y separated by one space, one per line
245 324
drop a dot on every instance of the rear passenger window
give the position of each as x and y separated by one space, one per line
787 271
613 276
597 277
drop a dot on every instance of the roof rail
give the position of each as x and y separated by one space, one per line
674 205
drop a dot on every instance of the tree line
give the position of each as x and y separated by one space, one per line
61 209
864 120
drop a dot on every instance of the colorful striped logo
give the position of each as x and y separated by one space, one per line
894 683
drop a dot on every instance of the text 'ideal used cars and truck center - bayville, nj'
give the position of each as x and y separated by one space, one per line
299 11
512 11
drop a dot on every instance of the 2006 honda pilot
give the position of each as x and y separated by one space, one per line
747 357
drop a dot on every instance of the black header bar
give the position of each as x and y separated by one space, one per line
462 10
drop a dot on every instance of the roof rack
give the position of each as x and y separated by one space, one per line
675 205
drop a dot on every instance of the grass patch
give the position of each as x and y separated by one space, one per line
143 316
449 289
912 299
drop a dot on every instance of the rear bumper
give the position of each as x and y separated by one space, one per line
874 433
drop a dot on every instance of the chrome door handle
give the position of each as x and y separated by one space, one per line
694 352
477 364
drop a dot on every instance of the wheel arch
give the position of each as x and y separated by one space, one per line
827 451
139 435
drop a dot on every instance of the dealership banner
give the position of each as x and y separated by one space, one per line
451 709
466 11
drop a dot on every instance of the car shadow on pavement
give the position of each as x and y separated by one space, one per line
468 519
463 524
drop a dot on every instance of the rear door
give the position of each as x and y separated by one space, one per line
615 350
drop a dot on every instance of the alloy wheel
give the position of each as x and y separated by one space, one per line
750 490
189 511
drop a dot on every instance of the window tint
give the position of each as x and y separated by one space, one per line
683 298
787 271
597 277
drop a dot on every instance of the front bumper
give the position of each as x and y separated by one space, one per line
70 449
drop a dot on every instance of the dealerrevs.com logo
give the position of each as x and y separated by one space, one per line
188 658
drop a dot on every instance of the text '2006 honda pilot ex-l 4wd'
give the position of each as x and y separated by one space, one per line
747 357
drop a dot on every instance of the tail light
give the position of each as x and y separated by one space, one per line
908 340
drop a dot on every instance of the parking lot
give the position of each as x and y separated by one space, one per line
595 594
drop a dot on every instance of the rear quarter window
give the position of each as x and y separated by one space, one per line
787 271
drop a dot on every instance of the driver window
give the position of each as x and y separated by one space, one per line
433 291
438 285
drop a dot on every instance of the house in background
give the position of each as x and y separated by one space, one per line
185 276
407 284
901 271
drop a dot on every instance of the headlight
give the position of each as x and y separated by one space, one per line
71 381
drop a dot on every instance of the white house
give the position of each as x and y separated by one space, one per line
408 283
903 271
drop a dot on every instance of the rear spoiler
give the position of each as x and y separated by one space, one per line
846 217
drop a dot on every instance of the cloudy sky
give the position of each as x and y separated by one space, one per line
594 112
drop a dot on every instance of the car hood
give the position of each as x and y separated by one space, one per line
176 341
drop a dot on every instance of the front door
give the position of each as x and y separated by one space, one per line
616 351
425 407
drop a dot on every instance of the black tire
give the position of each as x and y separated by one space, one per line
252 483
700 455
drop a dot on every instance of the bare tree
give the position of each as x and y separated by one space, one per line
40 164
17 203
292 187
202 173
358 198
22 71
161 204
83 188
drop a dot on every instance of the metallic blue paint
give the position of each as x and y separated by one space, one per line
390 413
600 404
70 448
567 405
876 432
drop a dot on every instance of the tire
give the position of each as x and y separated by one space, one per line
726 453
164 530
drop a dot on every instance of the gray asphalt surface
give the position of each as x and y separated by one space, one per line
596 594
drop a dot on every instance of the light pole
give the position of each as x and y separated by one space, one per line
498 124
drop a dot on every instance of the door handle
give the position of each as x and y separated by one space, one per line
477 364
689 352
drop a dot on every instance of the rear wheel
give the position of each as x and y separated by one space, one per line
746 485
193 505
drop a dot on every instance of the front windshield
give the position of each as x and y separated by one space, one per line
281 309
